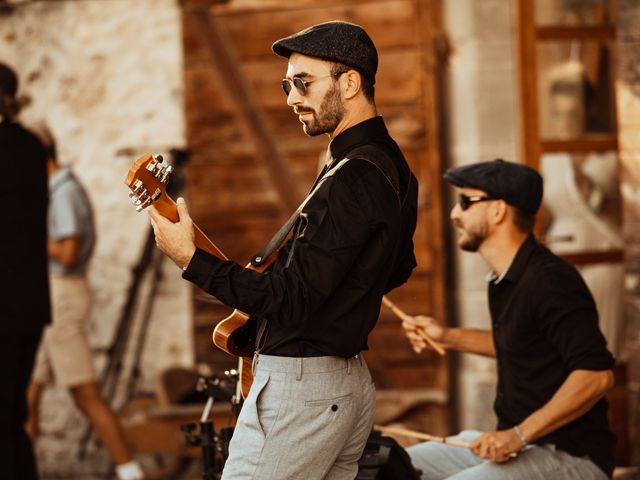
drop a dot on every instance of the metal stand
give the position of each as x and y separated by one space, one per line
215 448
150 258
205 439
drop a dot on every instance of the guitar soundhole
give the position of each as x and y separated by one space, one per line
243 339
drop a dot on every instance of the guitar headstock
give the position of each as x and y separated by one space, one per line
147 180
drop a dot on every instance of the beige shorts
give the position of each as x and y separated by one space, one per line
64 352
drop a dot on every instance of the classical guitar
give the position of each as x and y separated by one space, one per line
235 334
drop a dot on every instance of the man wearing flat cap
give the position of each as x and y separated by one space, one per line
310 408
553 364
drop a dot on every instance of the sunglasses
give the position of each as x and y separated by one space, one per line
301 85
466 201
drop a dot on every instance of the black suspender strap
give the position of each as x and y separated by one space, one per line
281 234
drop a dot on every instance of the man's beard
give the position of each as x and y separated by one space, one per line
331 114
471 240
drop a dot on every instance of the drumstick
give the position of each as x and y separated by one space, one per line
403 316
425 436
420 436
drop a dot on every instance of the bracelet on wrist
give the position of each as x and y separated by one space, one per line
521 436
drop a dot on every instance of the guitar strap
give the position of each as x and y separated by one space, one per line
281 234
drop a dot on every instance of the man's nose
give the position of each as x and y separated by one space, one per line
294 97
455 212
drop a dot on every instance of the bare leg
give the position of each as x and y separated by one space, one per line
34 393
90 401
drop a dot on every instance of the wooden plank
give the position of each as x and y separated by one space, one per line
590 143
390 24
593 257
303 7
217 134
398 79
529 115
596 33
430 200
246 106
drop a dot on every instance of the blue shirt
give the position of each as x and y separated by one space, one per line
70 215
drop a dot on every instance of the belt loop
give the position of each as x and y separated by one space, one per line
348 366
299 376
254 362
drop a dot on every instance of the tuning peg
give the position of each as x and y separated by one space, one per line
138 187
148 201
165 174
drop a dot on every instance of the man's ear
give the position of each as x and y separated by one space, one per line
499 211
351 83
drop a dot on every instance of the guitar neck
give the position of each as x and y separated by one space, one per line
169 210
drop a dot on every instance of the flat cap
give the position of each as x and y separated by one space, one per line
336 41
516 184
8 81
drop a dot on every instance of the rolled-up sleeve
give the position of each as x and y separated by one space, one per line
569 317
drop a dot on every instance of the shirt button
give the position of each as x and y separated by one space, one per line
334 407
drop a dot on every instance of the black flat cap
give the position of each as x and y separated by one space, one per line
516 184
8 81
335 41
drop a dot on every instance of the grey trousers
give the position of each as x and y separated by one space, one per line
304 419
438 462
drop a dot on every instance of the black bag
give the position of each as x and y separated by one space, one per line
384 459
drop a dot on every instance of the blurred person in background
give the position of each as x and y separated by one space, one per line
24 296
64 353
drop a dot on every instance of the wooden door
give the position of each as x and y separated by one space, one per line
231 189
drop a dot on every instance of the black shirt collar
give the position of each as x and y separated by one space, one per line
361 133
519 263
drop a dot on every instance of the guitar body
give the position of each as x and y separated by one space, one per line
235 334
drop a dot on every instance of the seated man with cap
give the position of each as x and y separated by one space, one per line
553 364
310 408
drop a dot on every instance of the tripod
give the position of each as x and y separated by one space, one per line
150 260
215 448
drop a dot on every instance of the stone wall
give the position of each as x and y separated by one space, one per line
482 123
628 103
107 79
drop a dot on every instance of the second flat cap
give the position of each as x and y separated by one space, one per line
515 183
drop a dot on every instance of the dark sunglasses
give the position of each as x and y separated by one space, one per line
466 201
301 85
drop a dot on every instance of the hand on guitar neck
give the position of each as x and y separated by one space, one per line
177 236
175 239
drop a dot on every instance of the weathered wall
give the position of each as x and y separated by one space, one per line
107 78
628 102
482 122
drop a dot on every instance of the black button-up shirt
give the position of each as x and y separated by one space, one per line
545 325
354 243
